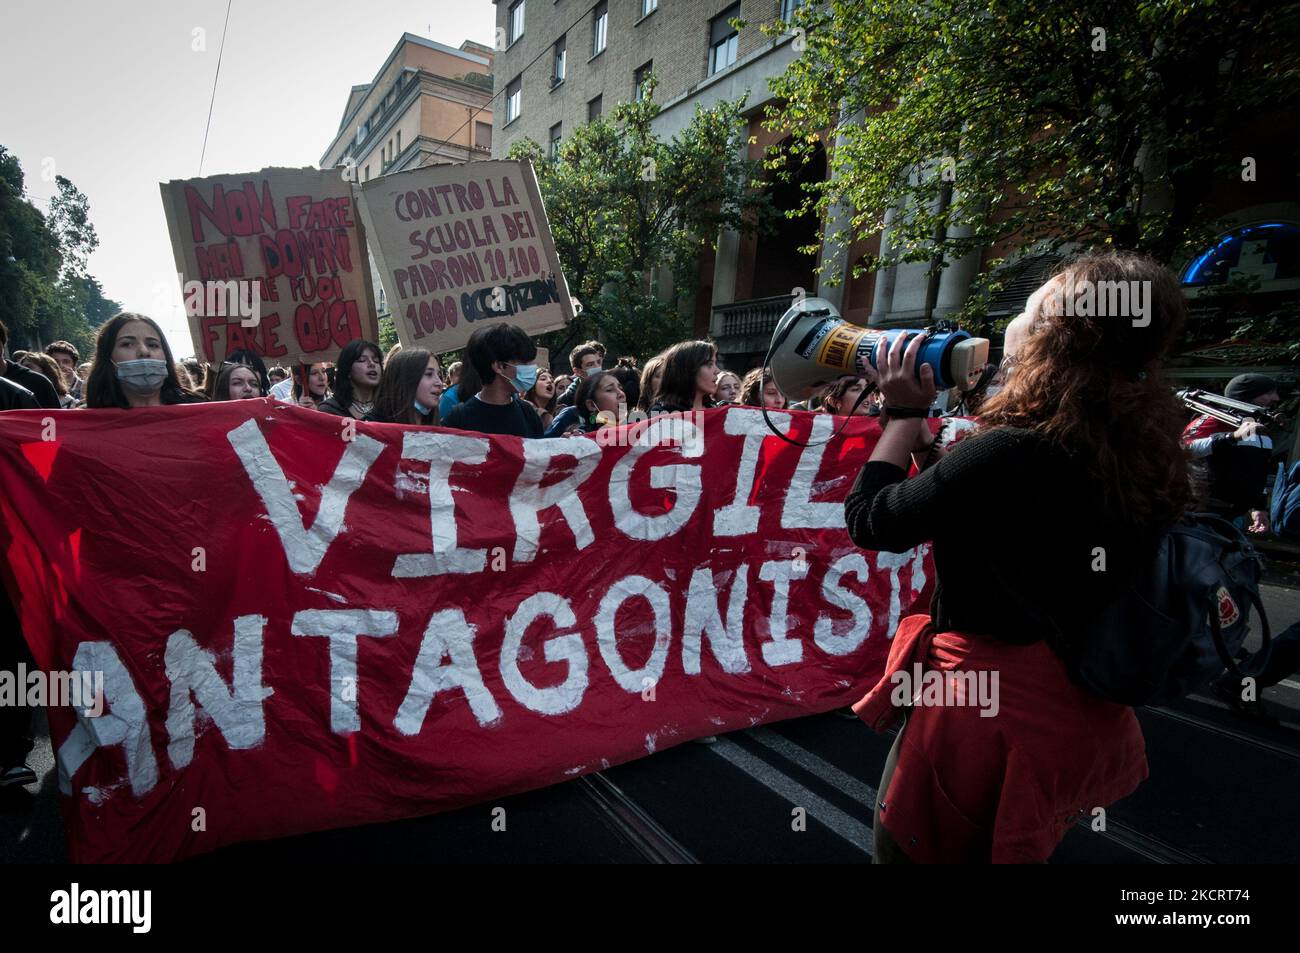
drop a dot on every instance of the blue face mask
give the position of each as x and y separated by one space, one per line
525 377
421 409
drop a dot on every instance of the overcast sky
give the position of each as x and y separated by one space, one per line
115 93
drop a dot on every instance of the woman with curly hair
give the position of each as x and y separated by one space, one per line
1084 436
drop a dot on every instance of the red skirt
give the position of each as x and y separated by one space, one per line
969 788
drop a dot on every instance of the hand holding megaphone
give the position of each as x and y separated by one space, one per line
896 372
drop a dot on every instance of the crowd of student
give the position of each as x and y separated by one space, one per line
498 388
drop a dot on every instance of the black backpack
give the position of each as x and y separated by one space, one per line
1180 623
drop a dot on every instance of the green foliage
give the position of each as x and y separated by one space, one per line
622 202
992 120
387 334
45 292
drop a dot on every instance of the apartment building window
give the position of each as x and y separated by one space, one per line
554 149
599 28
399 142
648 7
788 7
514 98
722 39
594 109
367 173
558 58
638 80
516 21
483 135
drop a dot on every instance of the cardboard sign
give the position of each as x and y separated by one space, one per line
461 244
273 261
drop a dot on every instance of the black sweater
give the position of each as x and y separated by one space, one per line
1015 522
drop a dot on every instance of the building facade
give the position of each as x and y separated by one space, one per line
561 63
428 103
565 62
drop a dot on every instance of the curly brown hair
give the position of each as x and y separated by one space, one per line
1094 386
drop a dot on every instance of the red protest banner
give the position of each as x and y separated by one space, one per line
306 622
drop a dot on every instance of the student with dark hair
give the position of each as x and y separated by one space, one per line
503 358
254 360
690 378
586 359
134 366
543 397
600 402
1084 436
652 376
409 389
38 384
318 385
759 390
356 382
629 378
236 382
841 398
66 356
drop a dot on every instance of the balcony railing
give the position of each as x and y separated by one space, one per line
757 316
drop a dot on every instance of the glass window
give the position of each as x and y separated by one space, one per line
558 61
516 20
483 135
788 7
599 27
648 7
722 39
638 80
555 141
594 109
514 98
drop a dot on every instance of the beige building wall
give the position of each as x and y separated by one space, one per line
422 95
675 37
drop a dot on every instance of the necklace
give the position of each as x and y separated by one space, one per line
359 410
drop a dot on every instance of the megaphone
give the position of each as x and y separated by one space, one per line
813 346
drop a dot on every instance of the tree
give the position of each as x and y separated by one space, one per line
622 202
70 223
45 292
1088 121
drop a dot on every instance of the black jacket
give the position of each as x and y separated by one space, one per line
16 396
38 384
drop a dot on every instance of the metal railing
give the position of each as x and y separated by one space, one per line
756 316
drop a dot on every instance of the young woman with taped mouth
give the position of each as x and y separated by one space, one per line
1083 436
